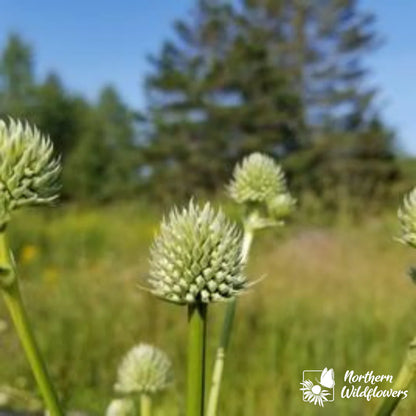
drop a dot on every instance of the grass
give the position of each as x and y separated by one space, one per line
333 297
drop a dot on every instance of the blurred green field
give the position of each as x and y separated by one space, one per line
332 297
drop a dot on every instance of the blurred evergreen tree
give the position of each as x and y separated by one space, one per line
326 44
216 95
16 78
286 77
57 114
350 150
96 143
103 166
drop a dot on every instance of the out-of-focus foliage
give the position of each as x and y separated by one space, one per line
104 163
282 77
96 141
355 172
285 77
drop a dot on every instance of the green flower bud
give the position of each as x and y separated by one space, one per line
197 257
28 171
257 179
121 407
280 206
144 370
407 217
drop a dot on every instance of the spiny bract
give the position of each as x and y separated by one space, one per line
144 370
407 217
28 171
197 257
257 179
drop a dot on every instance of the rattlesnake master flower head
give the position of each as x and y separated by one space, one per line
144 370
259 183
257 179
28 171
407 217
197 257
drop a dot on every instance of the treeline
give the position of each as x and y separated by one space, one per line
96 141
285 77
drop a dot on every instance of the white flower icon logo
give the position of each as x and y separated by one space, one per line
318 393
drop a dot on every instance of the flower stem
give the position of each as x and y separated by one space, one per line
9 287
227 327
145 405
197 318
220 358
406 375
247 240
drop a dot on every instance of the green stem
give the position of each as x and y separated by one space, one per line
247 240
406 375
9 287
227 327
145 405
197 319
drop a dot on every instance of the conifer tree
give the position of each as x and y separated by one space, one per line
285 77
215 96
103 165
16 77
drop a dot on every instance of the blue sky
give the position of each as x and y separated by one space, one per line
92 43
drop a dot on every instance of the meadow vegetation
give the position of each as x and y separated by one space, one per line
332 296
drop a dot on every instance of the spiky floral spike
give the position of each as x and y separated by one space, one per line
121 407
257 179
28 171
144 370
197 257
407 217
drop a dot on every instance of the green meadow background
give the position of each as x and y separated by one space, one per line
331 296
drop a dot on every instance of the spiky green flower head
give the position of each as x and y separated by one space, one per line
260 182
121 407
196 257
407 217
28 171
144 370
257 179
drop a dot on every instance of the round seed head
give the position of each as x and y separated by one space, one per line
121 407
257 179
145 369
28 171
197 257
407 217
